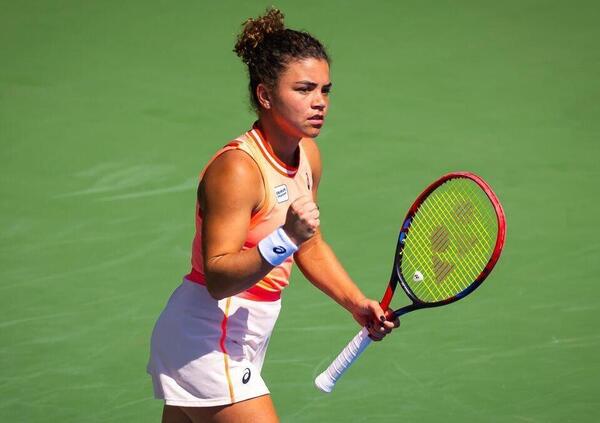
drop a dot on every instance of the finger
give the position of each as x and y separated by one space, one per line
377 336
377 311
379 329
374 333
307 213
311 225
390 325
310 209
309 204
389 314
386 327
302 199
300 202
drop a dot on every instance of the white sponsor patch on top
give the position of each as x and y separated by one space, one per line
281 193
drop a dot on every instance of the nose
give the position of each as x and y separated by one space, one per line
319 101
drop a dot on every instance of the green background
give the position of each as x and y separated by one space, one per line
109 110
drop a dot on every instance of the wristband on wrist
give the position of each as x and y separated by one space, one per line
276 247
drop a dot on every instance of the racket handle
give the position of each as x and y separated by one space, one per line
326 381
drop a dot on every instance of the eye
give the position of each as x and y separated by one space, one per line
303 89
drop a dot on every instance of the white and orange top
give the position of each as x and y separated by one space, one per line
282 185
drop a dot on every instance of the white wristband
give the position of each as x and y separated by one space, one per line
276 247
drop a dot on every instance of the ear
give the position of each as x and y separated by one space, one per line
264 96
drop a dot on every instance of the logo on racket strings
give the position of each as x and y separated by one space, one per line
440 240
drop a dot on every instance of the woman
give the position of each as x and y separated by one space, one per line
256 214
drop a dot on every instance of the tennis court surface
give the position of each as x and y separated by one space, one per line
109 110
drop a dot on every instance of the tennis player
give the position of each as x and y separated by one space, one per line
256 214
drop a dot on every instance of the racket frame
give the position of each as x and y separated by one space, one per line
398 278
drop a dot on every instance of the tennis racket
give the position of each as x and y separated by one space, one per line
449 242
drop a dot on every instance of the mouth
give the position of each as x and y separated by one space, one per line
317 120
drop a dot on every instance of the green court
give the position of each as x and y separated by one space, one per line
109 110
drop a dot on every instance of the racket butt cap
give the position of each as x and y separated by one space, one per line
324 383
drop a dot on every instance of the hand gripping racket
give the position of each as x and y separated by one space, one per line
449 242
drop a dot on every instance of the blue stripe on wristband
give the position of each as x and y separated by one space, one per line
276 247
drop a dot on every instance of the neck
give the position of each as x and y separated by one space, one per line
283 145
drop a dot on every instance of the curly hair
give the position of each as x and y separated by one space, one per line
266 46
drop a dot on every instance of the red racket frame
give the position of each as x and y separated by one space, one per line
397 277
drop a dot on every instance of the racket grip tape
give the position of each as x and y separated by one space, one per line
325 382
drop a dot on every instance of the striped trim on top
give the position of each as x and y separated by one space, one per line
269 154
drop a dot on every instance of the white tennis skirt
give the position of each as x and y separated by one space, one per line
206 352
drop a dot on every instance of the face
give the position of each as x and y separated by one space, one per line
300 101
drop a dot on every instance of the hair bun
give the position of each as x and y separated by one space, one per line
255 31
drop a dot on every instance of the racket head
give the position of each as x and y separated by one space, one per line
450 240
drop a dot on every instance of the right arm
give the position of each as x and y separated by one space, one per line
230 191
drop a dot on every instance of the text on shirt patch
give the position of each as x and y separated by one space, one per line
281 193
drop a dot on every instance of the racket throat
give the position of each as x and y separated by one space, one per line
387 297
407 309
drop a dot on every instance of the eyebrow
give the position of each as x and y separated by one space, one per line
314 84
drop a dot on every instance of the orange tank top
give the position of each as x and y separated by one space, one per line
282 185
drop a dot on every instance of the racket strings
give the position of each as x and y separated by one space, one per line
478 241
474 232
480 231
439 265
432 210
450 240
462 213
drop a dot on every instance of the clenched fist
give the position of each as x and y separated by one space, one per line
302 220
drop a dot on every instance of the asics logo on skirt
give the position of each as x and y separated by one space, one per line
246 376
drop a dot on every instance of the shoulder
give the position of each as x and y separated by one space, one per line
233 164
231 175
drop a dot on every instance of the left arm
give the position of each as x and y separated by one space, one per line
317 261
